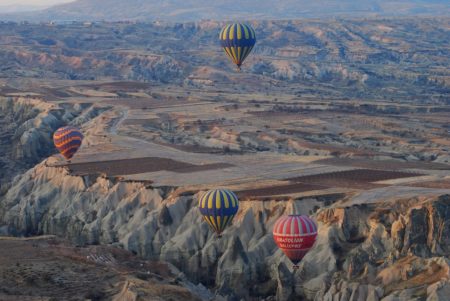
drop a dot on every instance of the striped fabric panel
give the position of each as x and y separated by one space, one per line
295 225
67 140
237 32
238 41
295 235
65 131
218 207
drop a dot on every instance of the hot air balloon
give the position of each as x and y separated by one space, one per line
218 207
295 235
67 140
237 40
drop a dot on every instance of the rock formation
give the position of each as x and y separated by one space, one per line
388 249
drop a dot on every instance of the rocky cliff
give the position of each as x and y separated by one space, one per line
385 249
27 126
25 134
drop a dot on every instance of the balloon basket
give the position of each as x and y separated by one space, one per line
295 267
219 236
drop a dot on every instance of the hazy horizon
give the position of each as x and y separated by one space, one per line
33 2
192 10
13 6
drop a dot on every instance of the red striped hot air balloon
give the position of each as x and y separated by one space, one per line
295 236
67 140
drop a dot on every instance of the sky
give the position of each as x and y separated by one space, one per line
32 2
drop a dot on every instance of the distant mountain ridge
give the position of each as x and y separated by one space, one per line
19 8
193 10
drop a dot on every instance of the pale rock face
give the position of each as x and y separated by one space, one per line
371 251
34 123
285 283
28 125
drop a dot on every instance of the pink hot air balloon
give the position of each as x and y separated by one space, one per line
295 236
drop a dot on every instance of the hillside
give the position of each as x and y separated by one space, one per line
48 268
191 10
405 59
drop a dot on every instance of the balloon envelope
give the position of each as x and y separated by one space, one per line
238 41
218 207
295 236
68 140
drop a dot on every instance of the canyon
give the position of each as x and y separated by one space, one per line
362 149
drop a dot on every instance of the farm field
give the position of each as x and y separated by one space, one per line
220 140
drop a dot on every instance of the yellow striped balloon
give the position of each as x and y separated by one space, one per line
238 41
218 207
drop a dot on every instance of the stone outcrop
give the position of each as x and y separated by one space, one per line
27 127
385 250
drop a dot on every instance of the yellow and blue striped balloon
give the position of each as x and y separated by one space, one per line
238 41
218 207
